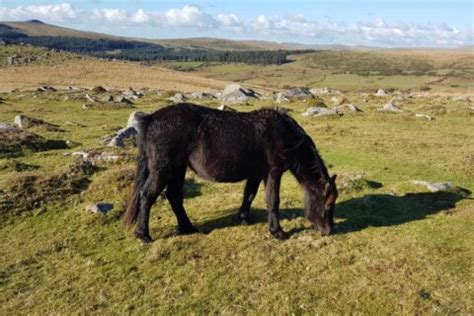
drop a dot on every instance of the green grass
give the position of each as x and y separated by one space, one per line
399 249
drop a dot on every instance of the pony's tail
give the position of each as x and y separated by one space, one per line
131 213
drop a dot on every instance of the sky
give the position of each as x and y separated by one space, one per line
386 23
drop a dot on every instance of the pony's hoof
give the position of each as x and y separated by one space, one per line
242 219
281 235
245 222
145 238
187 230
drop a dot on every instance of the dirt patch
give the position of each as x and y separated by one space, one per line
17 166
27 192
15 142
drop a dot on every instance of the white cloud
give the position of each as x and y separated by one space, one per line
57 12
189 16
194 21
111 15
229 20
140 17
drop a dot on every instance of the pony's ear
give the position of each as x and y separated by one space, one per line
333 178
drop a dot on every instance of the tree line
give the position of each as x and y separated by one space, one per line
143 51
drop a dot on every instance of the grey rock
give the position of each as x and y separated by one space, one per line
235 93
320 111
122 99
319 91
118 140
425 116
202 95
380 93
178 98
134 117
89 98
462 98
294 94
6 126
435 186
132 94
102 208
46 88
390 107
224 107
74 89
338 100
349 106
107 99
23 121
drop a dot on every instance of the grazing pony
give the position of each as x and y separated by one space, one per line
224 146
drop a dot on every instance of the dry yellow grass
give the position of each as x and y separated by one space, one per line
89 73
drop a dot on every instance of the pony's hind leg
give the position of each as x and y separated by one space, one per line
251 188
174 194
155 183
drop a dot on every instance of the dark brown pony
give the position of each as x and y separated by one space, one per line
224 146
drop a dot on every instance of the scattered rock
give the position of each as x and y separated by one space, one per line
99 89
390 107
107 98
134 118
294 94
380 93
357 183
351 107
122 134
46 89
320 111
462 98
89 98
425 116
319 91
178 98
124 100
398 97
435 186
102 208
74 89
98 156
235 93
202 95
223 107
23 121
339 100
132 94
118 140
5 126
318 102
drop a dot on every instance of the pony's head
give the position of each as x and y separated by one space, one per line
320 204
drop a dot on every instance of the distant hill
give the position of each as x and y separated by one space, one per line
37 33
36 28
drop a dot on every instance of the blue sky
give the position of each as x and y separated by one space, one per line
386 23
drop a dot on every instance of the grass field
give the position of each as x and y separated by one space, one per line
399 248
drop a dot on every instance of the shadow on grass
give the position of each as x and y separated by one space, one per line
372 210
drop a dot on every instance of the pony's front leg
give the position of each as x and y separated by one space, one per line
272 196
